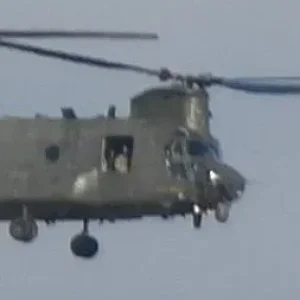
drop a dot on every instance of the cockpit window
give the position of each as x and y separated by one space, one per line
215 151
197 148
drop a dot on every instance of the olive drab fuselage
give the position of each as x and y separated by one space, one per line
51 163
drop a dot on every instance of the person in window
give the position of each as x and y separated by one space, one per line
108 164
121 161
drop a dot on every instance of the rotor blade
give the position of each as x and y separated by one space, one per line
76 58
266 85
78 34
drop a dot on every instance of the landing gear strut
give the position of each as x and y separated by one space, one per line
23 229
197 216
83 245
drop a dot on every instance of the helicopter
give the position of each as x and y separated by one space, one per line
162 160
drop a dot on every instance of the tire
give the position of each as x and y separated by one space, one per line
23 230
84 246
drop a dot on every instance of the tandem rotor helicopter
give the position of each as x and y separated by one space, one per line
160 161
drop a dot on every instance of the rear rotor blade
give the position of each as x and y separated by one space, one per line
78 34
263 85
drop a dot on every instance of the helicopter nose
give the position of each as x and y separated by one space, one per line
239 193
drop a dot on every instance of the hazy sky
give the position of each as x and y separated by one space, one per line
254 256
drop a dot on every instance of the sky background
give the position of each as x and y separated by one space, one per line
255 255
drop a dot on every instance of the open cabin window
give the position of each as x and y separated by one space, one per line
117 153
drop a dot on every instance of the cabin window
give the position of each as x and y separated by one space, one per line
117 152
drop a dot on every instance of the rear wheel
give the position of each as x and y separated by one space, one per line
84 246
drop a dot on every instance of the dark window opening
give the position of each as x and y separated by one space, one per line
52 153
197 148
118 152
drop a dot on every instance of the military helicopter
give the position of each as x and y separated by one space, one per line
160 161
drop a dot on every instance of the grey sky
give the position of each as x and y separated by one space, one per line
255 256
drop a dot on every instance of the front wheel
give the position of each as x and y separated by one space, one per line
23 230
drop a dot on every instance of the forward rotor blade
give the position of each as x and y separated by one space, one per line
266 85
263 85
78 34
76 58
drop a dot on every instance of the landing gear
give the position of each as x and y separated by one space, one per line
222 211
83 245
197 216
23 229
